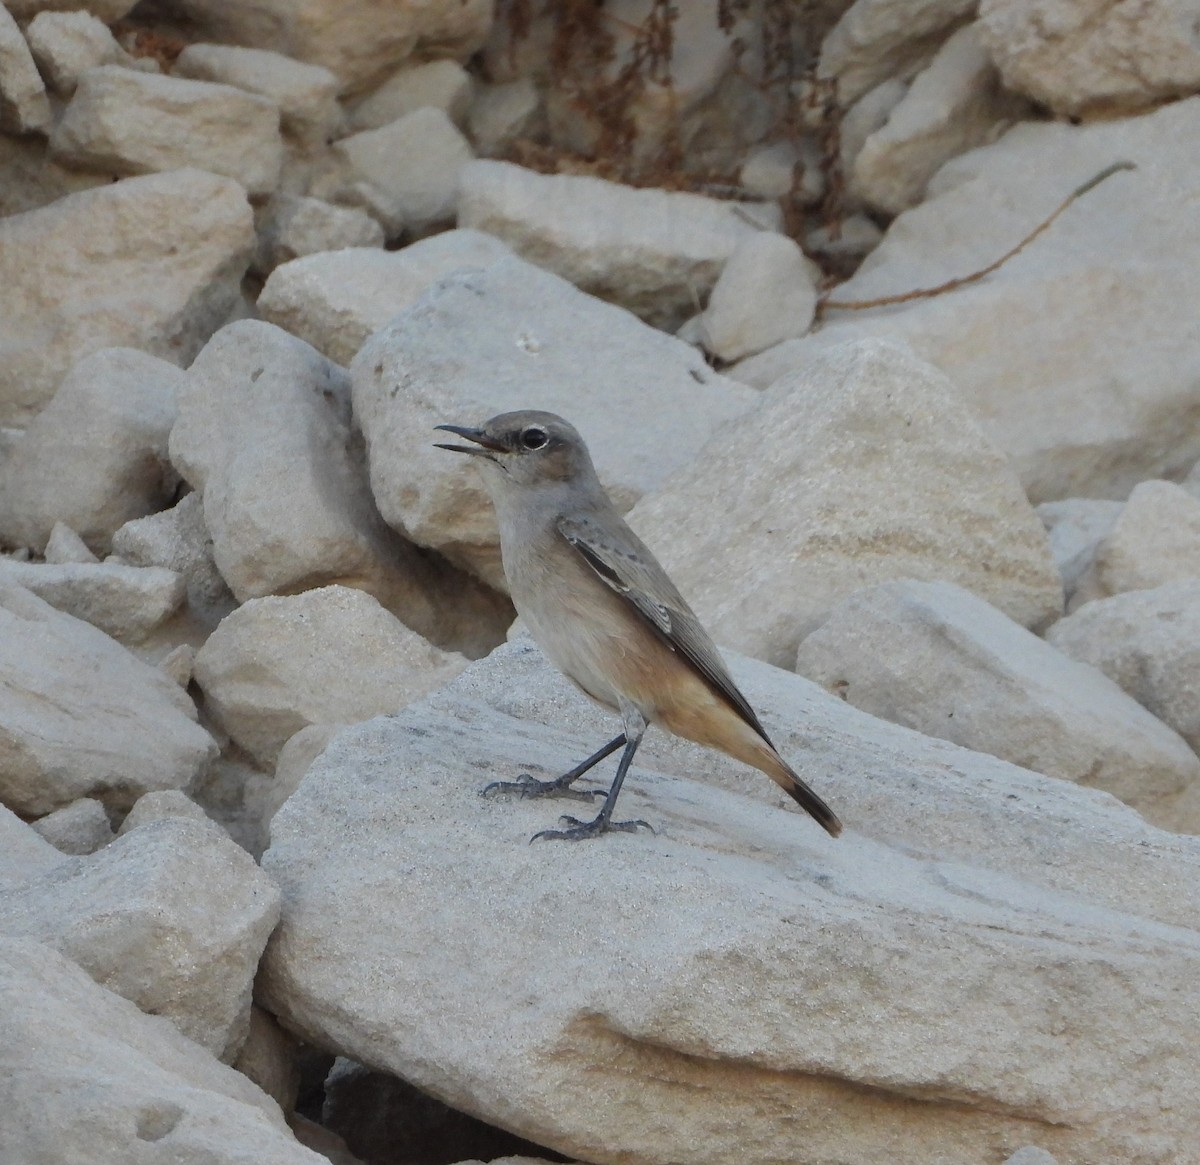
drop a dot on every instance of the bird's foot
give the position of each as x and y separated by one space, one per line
528 786
578 830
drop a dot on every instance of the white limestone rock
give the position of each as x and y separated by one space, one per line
295 227
153 263
24 106
867 115
336 300
935 658
108 11
81 717
1060 351
332 655
508 337
305 94
66 44
121 121
264 433
174 917
1094 56
295 759
443 85
1155 540
126 602
1076 527
877 40
79 828
270 1057
358 40
24 854
765 295
96 456
64 545
160 806
952 105
406 173
500 114
653 251
1148 641
86 1076
864 467
762 967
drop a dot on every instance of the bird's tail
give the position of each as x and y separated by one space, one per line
799 791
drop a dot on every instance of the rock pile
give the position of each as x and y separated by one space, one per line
257 656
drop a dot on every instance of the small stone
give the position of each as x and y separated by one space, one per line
295 759
500 114
1155 540
406 174
1076 527
178 664
270 1058
24 106
307 226
66 44
161 805
443 85
124 122
64 545
79 828
769 172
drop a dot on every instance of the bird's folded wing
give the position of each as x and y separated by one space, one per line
623 563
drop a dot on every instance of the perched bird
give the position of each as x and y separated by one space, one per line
606 614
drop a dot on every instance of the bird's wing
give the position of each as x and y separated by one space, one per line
622 562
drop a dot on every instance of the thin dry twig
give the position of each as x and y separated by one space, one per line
825 303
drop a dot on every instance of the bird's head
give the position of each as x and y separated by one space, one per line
528 448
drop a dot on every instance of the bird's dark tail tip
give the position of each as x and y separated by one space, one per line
813 806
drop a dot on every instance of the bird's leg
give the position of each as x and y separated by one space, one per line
528 786
635 727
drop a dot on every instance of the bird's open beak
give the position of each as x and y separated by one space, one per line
480 439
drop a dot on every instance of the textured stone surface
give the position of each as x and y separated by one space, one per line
305 94
652 251
407 172
86 1076
126 602
332 655
336 301
762 968
66 44
1094 56
81 717
173 917
888 477
935 658
96 456
306 226
513 336
79 828
24 106
1076 527
1081 355
1155 540
258 400
121 121
152 263
1148 641
443 85
64 545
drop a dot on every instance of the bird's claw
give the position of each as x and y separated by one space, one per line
528 786
579 830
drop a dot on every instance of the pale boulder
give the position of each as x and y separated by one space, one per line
24 854
66 44
868 114
864 467
79 828
96 456
126 602
1155 540
108 11
81 717
293 227
502 113
174 917
161 805
270 1057
305 94
265 434
765 294
877 40
24 106
122 121
996 885
1060 351
406 173
512 337
64 545
1148 641
1094 56
332 655
654 252
1076 527
443 85
73 1050
153 263
935 658
336 301
295 759
952 105
358 40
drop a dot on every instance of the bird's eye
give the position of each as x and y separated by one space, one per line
534 438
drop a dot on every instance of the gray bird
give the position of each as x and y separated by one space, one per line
606 614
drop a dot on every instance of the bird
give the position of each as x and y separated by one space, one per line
606 614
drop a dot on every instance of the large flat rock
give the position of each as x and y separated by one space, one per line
965 972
